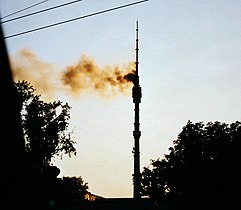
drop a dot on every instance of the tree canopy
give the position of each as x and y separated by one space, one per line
73 186
46 135
45 126
203 166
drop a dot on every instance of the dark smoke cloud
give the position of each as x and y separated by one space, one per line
87 76
74 79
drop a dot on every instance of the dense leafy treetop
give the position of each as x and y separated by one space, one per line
45 126
204 163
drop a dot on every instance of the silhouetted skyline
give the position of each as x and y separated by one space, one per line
189 58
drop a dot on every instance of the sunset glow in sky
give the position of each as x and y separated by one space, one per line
190 69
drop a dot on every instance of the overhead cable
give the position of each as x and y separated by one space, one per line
24 9
41 11
74 19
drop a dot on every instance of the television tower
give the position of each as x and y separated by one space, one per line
136 95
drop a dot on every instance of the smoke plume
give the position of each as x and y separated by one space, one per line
27 66
87 76
74 79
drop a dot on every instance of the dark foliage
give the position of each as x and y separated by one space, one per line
45 130
201 170
45 126
71 191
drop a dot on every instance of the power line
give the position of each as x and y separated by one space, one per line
74 19
41 11
26 8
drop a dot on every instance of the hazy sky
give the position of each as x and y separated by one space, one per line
190 60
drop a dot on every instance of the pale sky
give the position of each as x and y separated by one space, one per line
190 60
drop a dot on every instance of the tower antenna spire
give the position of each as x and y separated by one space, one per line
136 95
137 48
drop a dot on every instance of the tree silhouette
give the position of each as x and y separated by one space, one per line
45 130
202 168
45 126
71 191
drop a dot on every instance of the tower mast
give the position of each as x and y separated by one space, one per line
136 94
